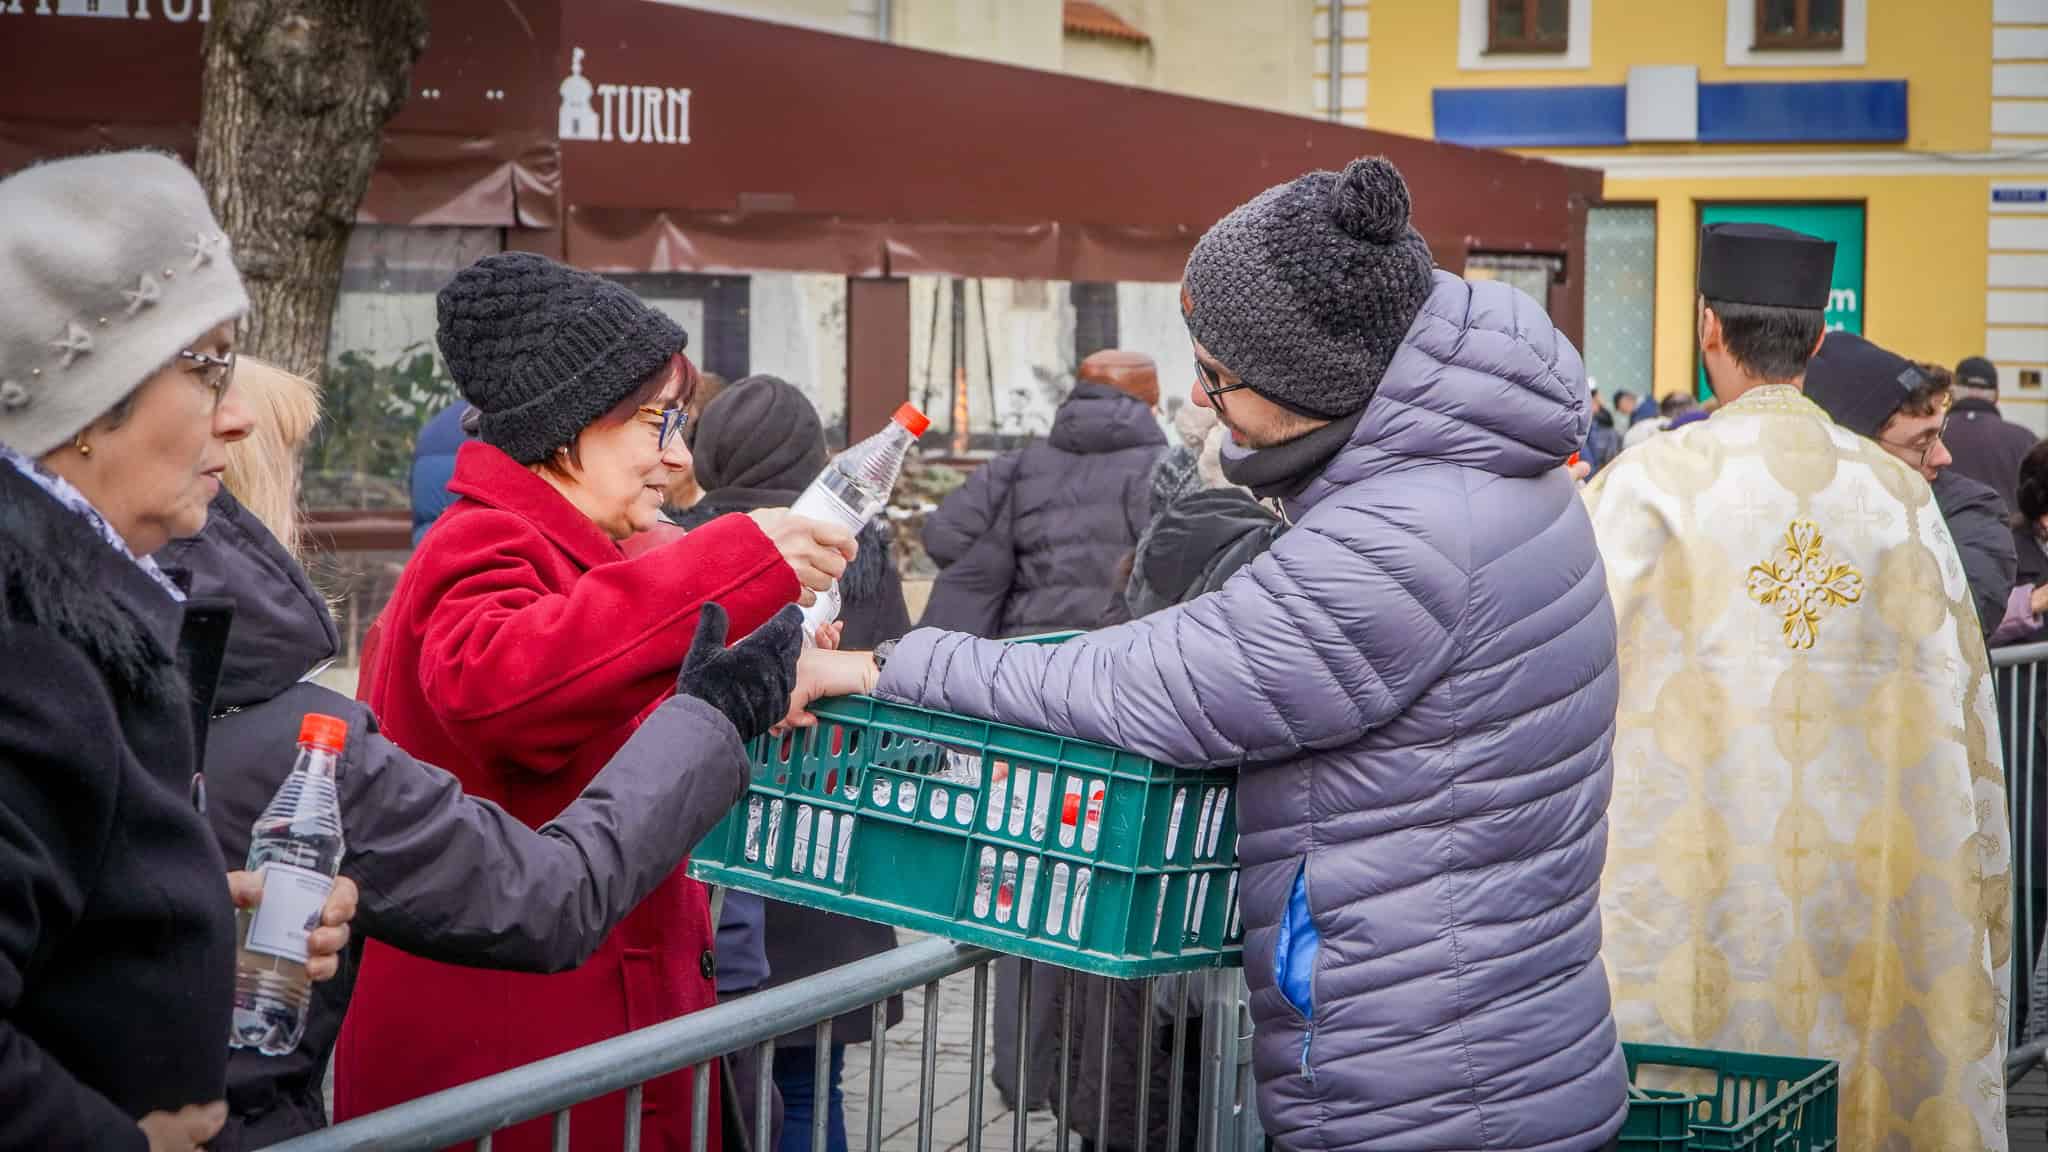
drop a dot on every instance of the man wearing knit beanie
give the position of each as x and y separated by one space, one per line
1416 684
1904 406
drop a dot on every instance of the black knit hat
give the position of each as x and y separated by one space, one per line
761 433
1859 384
542 349
1305 292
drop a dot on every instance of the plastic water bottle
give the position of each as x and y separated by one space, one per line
855 486
297 847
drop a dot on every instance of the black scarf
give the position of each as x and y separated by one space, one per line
1283 471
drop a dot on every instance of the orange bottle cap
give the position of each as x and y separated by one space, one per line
321 731
912 420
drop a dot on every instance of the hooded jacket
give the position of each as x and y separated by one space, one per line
1417 684
1072 507
442 875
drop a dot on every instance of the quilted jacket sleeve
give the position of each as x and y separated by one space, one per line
969 510
1333 632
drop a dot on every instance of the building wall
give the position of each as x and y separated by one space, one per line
1948 273
1939 49
1024 32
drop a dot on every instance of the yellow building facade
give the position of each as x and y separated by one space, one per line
1924 123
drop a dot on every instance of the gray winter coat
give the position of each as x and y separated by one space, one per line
442 874
1418 681
1071 506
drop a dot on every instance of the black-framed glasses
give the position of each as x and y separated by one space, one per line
216 372
1924 443
672 421
1212 383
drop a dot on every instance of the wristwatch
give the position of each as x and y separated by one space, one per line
882 652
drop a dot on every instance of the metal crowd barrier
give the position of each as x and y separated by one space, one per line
1227 1121
1226 1118
2023 717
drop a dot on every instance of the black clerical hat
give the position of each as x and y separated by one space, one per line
1765 265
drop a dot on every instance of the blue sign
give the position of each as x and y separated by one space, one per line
2019 195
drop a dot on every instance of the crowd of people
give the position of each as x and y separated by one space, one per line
1701 751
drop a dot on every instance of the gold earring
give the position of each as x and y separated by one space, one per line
84 449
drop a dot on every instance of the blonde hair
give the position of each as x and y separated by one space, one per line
263 467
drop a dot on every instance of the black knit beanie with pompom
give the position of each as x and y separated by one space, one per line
1305 292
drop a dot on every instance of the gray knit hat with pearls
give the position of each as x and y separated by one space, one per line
1305 292
110 265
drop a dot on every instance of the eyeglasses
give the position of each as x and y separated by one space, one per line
1922 446
671 421
216 372
1212 383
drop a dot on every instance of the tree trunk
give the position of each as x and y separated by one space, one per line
297 93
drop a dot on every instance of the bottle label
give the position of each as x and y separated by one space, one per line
289 912
820 503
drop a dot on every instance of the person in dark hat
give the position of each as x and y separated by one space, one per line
1416 682
1905 408
1803 690
1987 447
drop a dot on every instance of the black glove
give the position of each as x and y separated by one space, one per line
751 681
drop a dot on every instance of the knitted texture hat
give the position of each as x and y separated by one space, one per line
1305 292
110 265
761 433
542 349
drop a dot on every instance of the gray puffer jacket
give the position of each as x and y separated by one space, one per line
1418 683
1071 506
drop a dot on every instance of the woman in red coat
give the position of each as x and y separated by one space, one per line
520 650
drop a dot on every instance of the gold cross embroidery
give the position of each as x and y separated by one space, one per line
1805 585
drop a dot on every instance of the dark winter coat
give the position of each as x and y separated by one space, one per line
442 875
1200 541
1418 684
1072 506
1987 447
117 953
520 651
1982 530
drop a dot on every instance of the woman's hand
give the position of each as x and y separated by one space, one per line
817 552
821 674
2037 603
189 1128
828 635
324 944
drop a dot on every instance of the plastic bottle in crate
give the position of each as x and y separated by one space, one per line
854 487
297 847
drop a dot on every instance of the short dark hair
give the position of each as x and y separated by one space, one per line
1770 343
2033 490
1931 395
1675 403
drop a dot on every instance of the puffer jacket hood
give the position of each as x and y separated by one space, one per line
1096 419
1484 381
1416 685
282 628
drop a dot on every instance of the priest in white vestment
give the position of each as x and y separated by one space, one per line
1807 849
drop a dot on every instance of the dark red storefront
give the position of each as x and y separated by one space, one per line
715 144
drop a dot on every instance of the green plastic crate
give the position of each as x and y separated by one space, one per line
1658 1121
1054 849
1754 1104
